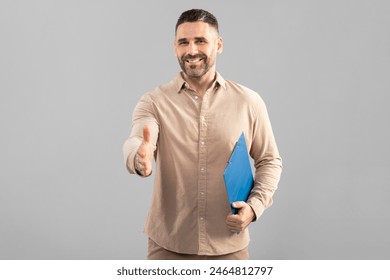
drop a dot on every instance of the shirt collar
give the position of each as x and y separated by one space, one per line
180 83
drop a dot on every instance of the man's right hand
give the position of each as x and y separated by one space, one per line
144 156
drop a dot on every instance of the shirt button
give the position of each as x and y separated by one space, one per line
196 97
202 169
201 218
201 193
202 142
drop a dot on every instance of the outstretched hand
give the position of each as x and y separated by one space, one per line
239 222
144 156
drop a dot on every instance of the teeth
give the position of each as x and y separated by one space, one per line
193 60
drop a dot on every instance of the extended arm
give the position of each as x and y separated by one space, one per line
138 149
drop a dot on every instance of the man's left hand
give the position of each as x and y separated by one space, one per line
239 222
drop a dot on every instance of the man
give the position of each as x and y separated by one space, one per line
190 126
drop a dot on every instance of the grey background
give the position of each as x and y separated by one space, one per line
72 71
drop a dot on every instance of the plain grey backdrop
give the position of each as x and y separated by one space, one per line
72 71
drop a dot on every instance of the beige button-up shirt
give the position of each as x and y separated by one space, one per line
193 139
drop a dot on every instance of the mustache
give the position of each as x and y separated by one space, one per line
197 56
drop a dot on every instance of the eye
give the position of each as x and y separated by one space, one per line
183 43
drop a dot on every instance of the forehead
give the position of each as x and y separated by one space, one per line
195 29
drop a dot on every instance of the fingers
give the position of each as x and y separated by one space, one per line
143 159
143 163
140 162
234 224
144 155
240 221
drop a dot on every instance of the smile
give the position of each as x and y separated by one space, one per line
193 60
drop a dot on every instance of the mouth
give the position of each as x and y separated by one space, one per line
193 60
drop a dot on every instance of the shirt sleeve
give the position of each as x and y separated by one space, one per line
267 161
144 114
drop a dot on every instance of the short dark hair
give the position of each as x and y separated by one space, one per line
195 15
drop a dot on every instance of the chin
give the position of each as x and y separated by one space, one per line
195 73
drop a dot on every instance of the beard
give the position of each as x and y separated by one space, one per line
194 66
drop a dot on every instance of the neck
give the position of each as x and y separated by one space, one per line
202 84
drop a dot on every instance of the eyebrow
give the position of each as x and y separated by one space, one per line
183 40
201 38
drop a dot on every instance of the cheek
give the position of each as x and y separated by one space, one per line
211 52
177 52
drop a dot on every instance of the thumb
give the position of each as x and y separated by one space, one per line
146 133
239 204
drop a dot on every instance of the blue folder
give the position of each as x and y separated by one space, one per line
238 174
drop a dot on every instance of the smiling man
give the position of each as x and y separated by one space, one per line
190 126
197 45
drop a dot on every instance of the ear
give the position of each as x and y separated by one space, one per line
219 45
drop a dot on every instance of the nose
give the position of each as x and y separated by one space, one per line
192 48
